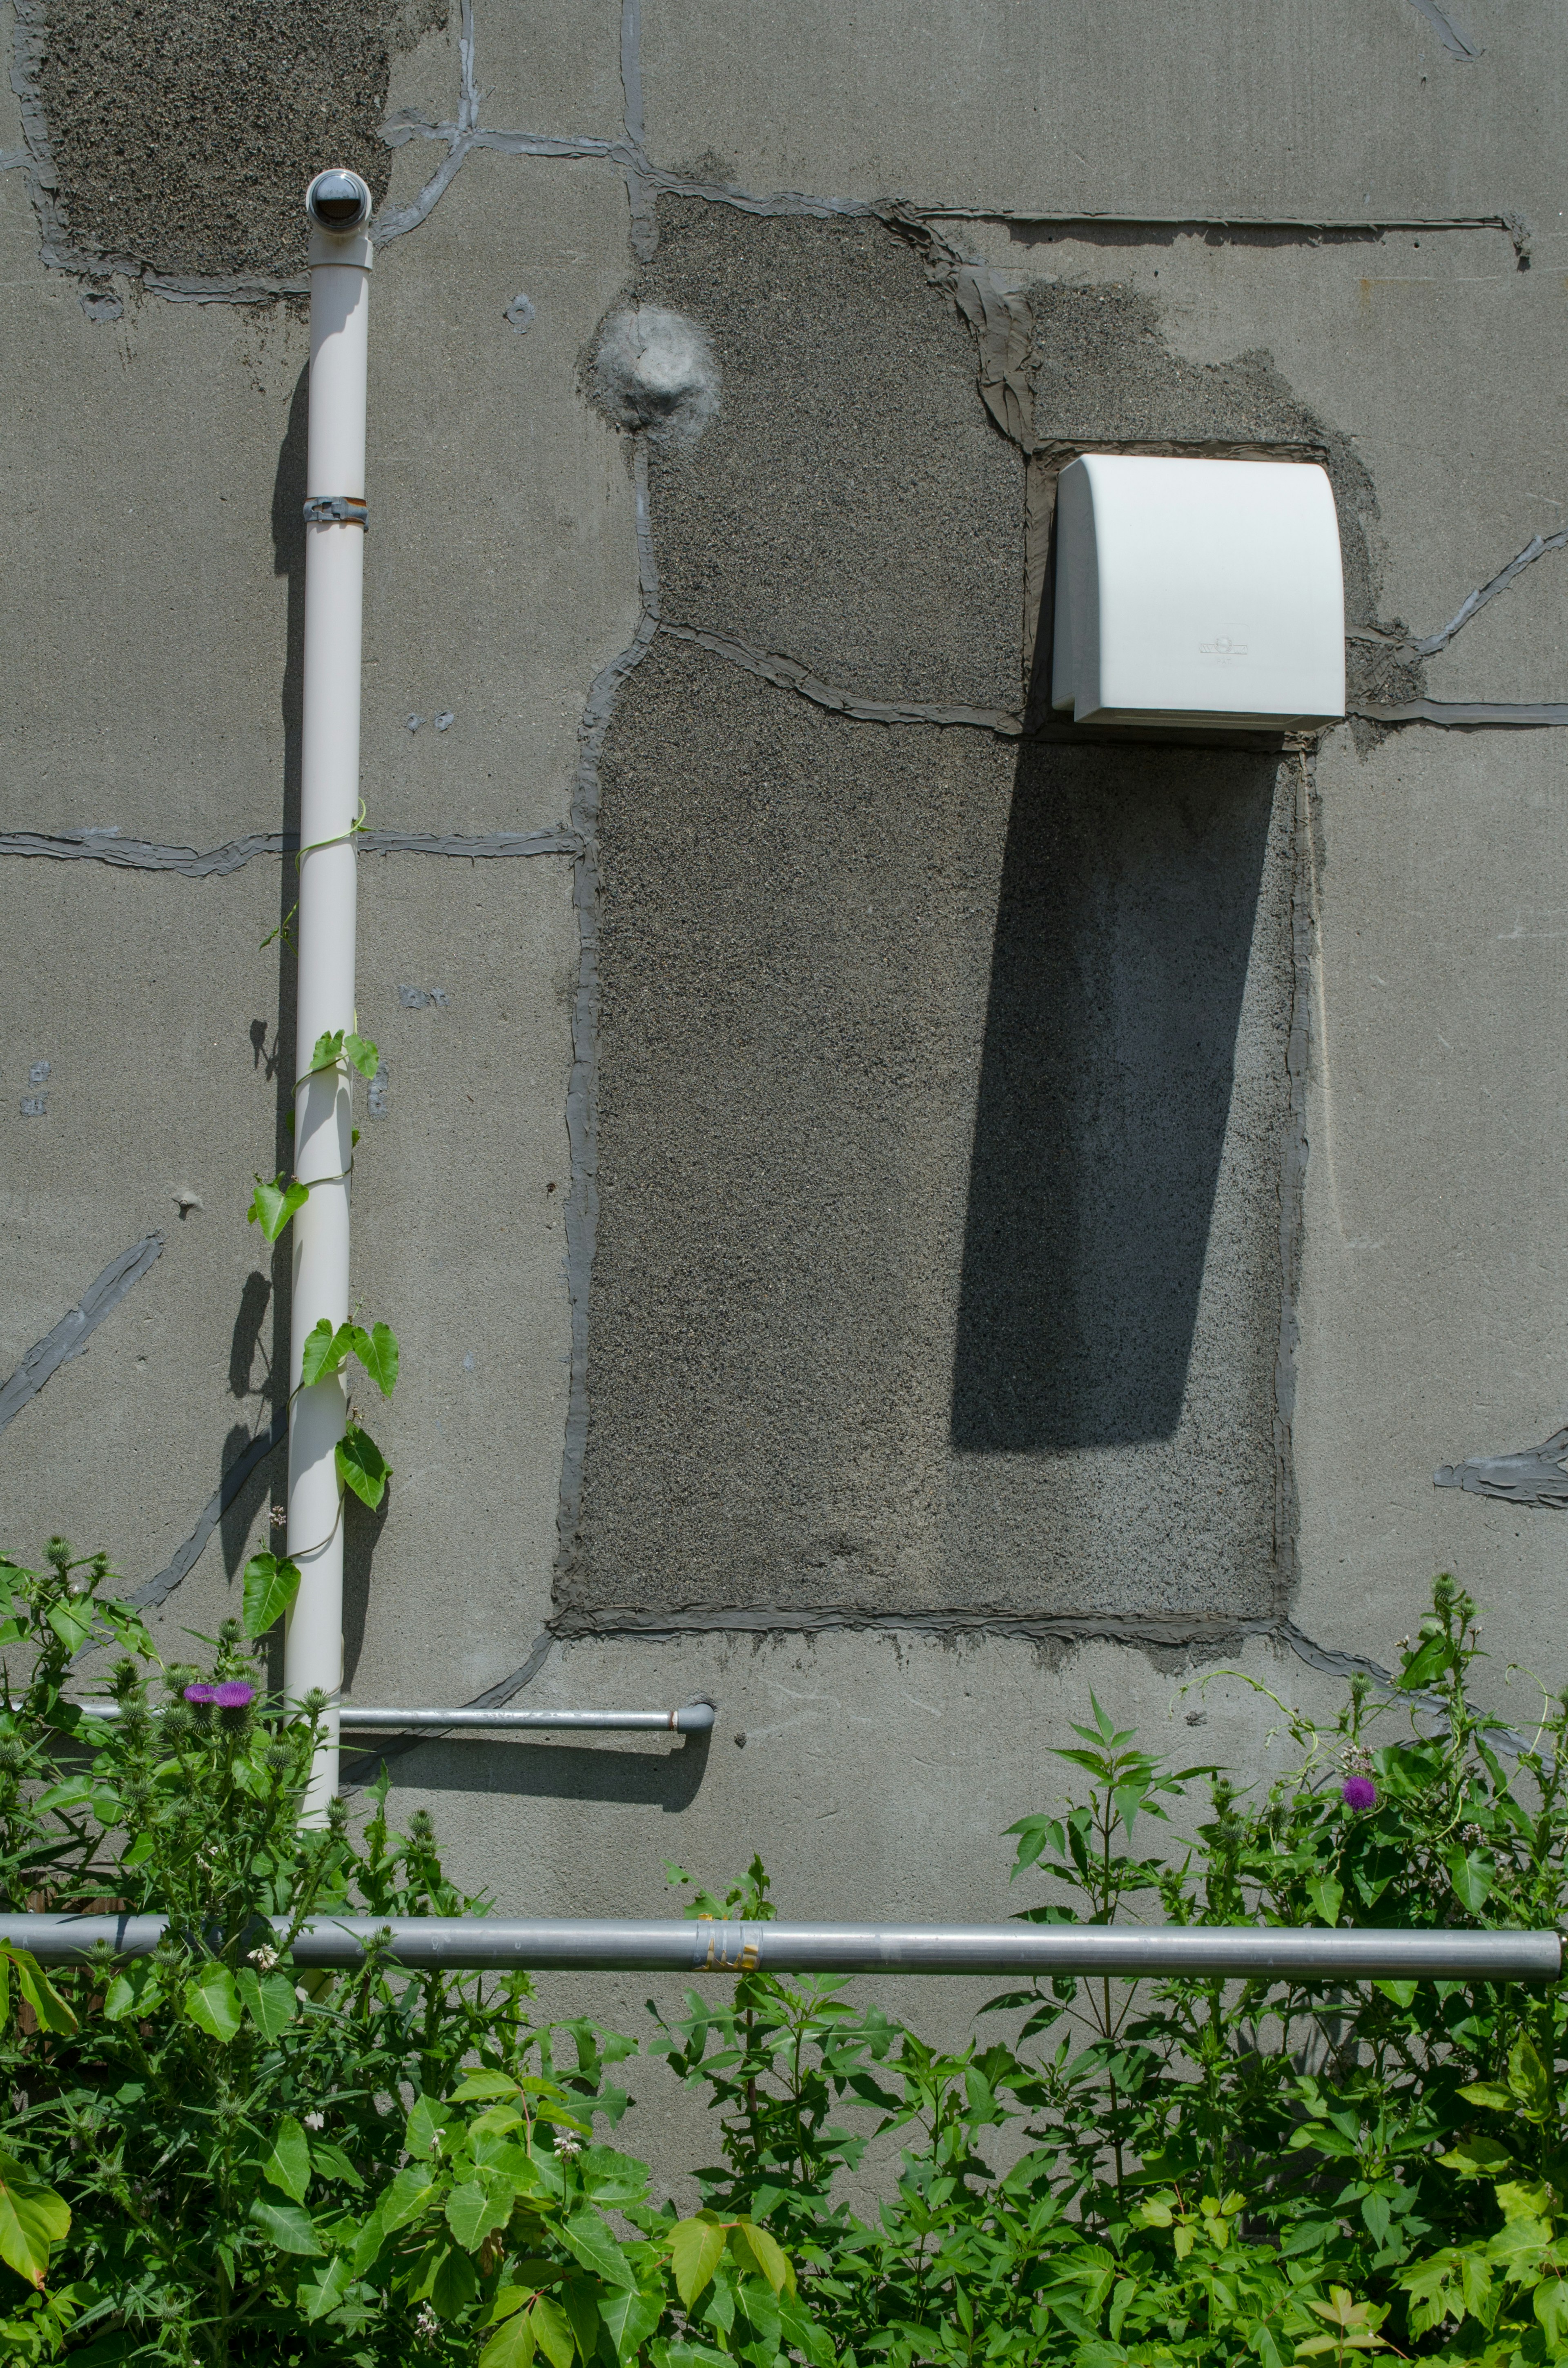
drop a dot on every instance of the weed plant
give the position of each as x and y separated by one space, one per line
211 2155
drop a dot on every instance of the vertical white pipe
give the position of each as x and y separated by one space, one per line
334 563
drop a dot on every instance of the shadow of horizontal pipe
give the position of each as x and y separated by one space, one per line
662 1779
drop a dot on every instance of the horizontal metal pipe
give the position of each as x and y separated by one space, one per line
693 1718
704 1945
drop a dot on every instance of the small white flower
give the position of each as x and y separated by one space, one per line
565 2143
315 2121
264 1958
427 2324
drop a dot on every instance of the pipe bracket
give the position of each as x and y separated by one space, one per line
336 509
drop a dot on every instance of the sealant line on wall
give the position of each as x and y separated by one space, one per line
1537 548
142 855
1458 45
644 220
1470 714
789 674
70 1336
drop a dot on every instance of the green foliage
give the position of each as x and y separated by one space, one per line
209 2158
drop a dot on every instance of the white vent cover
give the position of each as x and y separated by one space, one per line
1198 592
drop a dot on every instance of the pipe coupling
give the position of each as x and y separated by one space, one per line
337 509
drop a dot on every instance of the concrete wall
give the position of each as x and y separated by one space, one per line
894 1214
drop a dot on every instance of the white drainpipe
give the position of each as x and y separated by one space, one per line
340 255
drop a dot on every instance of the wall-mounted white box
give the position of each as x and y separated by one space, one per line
1198 592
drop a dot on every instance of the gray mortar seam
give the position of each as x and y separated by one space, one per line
1292 1181
143 855
71 1334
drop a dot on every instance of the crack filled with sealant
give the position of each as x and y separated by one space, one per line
217 863
789 674
1458 45
1537 1476
1537 548
70 1336
1470 714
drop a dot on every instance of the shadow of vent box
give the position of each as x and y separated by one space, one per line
1206 592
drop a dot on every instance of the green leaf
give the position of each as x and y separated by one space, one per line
361 1466
372 2235
287 2165
326 1052
1400 1993
552 2332
1483 2092
1529 2078
587 2236
377 1352
479 2206
483 2084
1326 1895
40 1993
410 2194
134 1987
427 2120
628 2320
455 2283
1470 1878
322 2290
213 2003
268 2000
1435 1655
32 2219
1478 2158
325 1352
288 2227
696 2250
271 1584
363 1053
512 2345
273 1204
71 1621
769 2256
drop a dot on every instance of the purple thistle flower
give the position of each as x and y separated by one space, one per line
234 1694
1358 1793
200 1693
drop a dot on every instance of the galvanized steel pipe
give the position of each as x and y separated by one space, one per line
692 1718
613 1944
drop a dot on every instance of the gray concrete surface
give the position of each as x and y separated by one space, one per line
1294 1015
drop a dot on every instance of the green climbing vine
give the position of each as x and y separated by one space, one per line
272 1581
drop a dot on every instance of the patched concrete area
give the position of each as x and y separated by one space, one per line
943 1114
851 504
179 134
1056 1205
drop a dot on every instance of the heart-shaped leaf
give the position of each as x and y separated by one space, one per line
361 1466
213 2003
271 1583
273 1204
32 2219
325 1352
268 1999
377 1352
